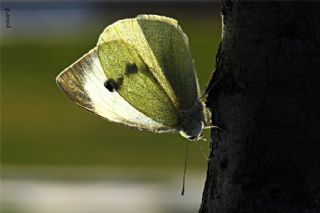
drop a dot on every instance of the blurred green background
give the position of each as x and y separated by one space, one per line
43 133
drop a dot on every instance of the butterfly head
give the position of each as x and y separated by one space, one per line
192 121
193 133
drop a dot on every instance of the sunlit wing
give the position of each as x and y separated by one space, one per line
134 81
84 83
164 48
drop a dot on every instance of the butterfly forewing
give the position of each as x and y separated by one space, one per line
135 83
84 83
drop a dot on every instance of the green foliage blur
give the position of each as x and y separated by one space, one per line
41 127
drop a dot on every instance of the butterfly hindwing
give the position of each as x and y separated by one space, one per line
171 50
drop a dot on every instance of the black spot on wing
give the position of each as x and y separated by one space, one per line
131 69
112 84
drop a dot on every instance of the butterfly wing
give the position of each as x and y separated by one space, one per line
150 81
135 83
172 52
84 83
164 49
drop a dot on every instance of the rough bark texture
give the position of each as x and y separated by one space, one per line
265 95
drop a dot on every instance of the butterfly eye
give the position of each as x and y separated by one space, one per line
192 138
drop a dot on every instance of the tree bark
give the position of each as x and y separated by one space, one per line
264 94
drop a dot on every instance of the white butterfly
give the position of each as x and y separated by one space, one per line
140 74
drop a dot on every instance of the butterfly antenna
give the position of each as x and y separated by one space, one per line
212 127
202 96
185 167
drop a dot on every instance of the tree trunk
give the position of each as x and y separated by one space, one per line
264 94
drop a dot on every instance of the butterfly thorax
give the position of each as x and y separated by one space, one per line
191 121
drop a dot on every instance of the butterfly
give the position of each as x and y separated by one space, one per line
140 74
